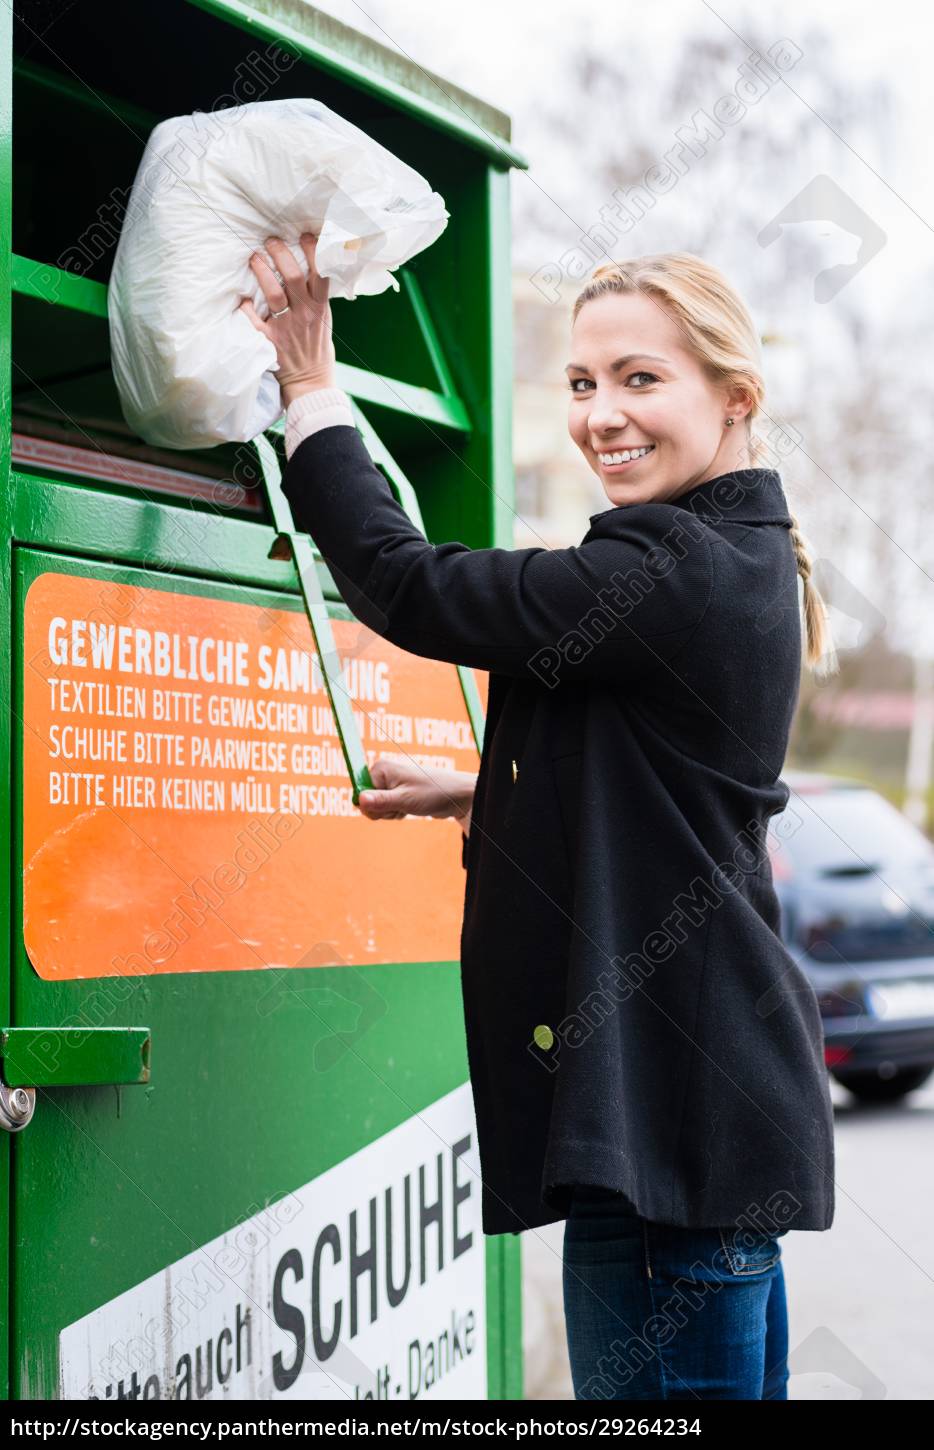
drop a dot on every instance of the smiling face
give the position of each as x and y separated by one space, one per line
633 385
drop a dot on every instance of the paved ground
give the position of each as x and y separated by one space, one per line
860 1296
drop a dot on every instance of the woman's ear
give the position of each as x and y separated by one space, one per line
738 402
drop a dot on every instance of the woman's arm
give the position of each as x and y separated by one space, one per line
617 605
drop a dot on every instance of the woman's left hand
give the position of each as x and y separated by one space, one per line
302 335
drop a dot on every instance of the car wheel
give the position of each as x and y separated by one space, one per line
868 1087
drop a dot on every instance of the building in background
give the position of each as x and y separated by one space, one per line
556 492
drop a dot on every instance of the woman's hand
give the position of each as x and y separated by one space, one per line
406 789
302 336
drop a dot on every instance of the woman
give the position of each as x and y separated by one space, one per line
646 1059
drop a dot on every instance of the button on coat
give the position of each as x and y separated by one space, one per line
633 1018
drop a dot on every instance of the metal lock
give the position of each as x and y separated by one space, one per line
17 1105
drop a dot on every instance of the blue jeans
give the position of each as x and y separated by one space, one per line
655 1312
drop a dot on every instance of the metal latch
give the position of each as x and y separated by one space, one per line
50 1057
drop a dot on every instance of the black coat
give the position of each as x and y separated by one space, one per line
633 1018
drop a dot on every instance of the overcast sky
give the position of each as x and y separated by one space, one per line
515 55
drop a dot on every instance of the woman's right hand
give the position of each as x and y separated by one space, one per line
406 789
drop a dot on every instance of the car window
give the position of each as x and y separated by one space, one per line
841 830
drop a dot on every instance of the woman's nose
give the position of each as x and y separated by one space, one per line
605 418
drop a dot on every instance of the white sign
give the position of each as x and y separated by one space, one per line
367 1283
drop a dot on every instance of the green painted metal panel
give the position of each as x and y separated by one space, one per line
58 287
111 1182
119 1182
63 1057
6 647
355 58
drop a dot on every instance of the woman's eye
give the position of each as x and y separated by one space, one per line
575 389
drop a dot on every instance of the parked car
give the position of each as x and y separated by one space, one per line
855 882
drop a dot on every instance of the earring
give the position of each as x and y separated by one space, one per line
730 422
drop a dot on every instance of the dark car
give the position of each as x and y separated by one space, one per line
855 881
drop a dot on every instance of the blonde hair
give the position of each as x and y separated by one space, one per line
720 332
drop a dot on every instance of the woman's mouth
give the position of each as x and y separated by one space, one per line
624 458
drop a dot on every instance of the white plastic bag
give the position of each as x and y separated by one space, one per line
191 370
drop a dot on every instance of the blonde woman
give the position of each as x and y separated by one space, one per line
646 1059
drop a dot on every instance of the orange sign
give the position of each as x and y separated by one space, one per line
186 804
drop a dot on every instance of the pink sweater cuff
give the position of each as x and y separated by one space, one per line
321 408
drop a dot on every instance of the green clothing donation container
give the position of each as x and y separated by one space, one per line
236 1127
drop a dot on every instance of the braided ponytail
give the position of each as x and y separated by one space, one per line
817 628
